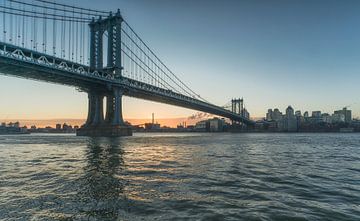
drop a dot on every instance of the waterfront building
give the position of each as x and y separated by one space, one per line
346 113
290 120
306 114
202 126
315 117
326 118
216 125
277 115
269 115
316 114
338 118
152 126
12 128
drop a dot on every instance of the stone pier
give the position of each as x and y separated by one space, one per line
113 124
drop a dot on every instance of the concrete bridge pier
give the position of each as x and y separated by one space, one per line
113 125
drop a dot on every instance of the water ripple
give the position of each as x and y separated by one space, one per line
181 177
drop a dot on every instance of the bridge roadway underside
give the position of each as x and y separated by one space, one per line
106 87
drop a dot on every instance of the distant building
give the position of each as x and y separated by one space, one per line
269 115
346 113
316 114
216 125
58 127
326 118
277 115
152 126
290 120
317 122
202 126
306 114
338 118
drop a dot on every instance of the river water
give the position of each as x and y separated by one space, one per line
180 177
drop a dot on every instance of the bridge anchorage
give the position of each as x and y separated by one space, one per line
113 123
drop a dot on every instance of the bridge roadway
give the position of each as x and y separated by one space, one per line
29 64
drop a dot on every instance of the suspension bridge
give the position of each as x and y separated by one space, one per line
97 52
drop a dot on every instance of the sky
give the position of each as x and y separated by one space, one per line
272 53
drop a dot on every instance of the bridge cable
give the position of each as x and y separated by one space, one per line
4 23
54 34
36 15
54 8
129 56
144 63
73 7
161 61
72 40
44 33
11 26
23 30
144 53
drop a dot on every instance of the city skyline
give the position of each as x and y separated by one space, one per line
272 58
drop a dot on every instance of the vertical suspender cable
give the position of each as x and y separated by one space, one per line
32 41
15 30
15 39
63 32
23 28
83 43
72 38
44 32
4 22
88 47
69 41
77 41
11 26
54 33
18 27
35 34
132 61
81 37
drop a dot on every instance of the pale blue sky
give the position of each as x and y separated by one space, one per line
272 53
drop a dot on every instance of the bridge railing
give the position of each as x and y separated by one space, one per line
33 57
38 58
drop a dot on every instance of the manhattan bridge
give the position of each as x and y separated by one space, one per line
97 52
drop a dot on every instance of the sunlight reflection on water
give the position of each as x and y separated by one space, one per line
183 176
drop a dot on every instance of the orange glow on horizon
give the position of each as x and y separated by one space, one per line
170 122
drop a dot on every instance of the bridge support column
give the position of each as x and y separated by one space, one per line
91 109
109 108
118 119
113 125
98 117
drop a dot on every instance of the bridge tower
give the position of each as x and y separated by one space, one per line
112 124
237 106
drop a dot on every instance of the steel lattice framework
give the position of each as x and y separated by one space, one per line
63 44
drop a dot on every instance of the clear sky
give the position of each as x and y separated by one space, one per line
272 53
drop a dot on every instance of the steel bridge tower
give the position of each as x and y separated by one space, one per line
112 124
237 107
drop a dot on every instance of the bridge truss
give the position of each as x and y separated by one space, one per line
89 49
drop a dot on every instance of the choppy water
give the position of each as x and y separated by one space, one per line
181 177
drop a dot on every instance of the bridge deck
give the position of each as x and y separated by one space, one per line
25 63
